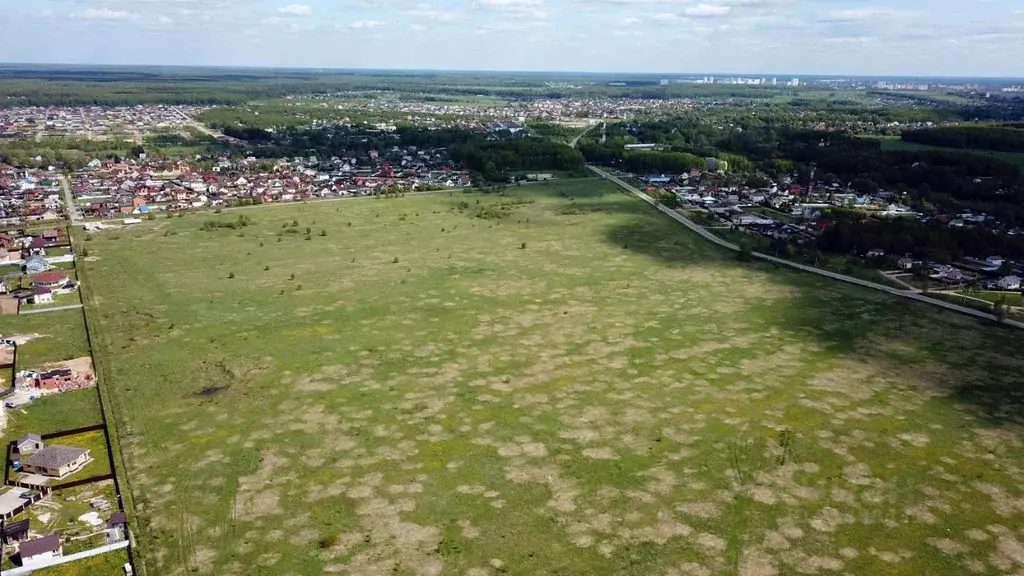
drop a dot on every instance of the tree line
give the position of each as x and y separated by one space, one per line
1008 138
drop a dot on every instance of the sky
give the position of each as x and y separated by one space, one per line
842 37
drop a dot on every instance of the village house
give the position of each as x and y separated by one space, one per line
40 552
15 532
1009 283
38 295
56 461
50 280
29 443
117 528
35 264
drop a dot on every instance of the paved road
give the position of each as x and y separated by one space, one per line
54 309
202 128
848 279
69 202
584 133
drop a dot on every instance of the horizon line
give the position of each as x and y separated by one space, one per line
509 71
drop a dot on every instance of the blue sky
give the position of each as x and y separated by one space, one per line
924 37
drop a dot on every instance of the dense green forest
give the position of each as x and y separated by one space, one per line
851 233
495 160
1008 138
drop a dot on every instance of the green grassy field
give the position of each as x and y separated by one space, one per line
50 414
1010 298
580 387
61 336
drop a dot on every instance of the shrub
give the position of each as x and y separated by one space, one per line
231 275
395 261
323 233
266 268
150 216
292 277
295 223
278 238
522 246
88 237
309 230
308 237
298 286
217 211
327 541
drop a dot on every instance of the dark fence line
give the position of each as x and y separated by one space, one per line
97 369
84 481
7 461
74 431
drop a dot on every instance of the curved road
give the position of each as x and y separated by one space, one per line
842 278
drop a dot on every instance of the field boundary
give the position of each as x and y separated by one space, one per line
125 500
842 278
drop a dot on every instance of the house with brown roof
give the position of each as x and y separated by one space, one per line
15 532
51 280
56 461
40 552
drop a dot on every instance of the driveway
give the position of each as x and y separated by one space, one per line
11 499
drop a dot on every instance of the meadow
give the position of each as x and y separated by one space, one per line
560 381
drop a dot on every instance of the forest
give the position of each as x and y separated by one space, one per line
1006 138
851 233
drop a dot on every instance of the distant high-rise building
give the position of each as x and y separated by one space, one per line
664 82
775 81
794 82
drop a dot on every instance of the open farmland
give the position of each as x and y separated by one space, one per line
578 387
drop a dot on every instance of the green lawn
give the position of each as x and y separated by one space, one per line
1010 298
61 336
55 413
58 301
580 387
96 444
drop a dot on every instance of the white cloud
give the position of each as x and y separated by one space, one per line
417 27
856 15
296 10
427 12
108 14
366 24
511 4
667 18
629 21
706 10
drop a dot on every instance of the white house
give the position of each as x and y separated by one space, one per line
1009 283
752 219
40 552
995 261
